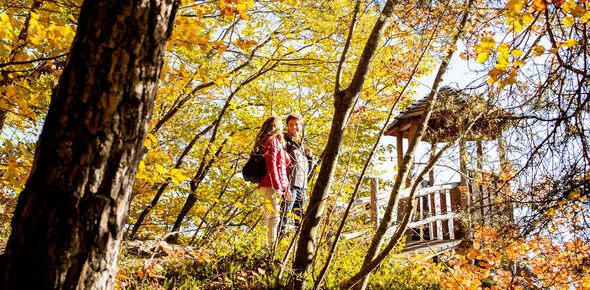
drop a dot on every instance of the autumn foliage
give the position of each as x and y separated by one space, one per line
232 63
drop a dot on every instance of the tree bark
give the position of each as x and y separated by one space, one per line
343 103
67 226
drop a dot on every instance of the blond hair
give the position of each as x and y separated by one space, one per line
270 129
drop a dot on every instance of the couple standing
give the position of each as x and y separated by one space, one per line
288 162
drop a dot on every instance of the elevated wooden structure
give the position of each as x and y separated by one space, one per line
444 213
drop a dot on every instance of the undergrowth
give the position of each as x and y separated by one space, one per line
250 266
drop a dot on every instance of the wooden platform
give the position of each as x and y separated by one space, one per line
431 248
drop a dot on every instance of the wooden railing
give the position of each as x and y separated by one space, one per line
436 214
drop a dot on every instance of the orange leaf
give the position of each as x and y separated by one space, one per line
539 5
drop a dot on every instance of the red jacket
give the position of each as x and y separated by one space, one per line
276 164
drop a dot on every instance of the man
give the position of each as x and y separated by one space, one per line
297 171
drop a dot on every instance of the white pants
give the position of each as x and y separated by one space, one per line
271 212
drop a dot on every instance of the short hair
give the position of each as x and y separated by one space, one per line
294 116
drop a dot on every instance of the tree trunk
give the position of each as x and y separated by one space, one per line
373 258
67 226
343 103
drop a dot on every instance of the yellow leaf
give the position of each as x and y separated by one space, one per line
160 169
578 11
178 178
569 5
479 48
496 72
554 50
4 105
218 80
152 137
569 20
510 81
568 43
539 50
518 25
488 42
199 14
147 142
269 207
24 150
221 50
243 15
12 163
586 17
8 144
503 47
503 58
33 22
36 40
517 52
141 166
200 24
4 18
515 5
482 57
519 63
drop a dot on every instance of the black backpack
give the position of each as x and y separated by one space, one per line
255 169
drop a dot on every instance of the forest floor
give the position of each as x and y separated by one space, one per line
158 265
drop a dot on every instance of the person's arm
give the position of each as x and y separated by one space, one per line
270 158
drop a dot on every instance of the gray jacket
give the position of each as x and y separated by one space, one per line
300 165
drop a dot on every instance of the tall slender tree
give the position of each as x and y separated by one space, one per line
344 100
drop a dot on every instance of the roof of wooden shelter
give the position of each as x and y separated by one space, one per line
452 107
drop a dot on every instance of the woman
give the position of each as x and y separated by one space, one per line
270 139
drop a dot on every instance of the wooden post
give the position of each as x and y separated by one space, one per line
403 204
400 148
478 195
410 179
463 198
374 202
502 152
443 211
504 164
433 225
